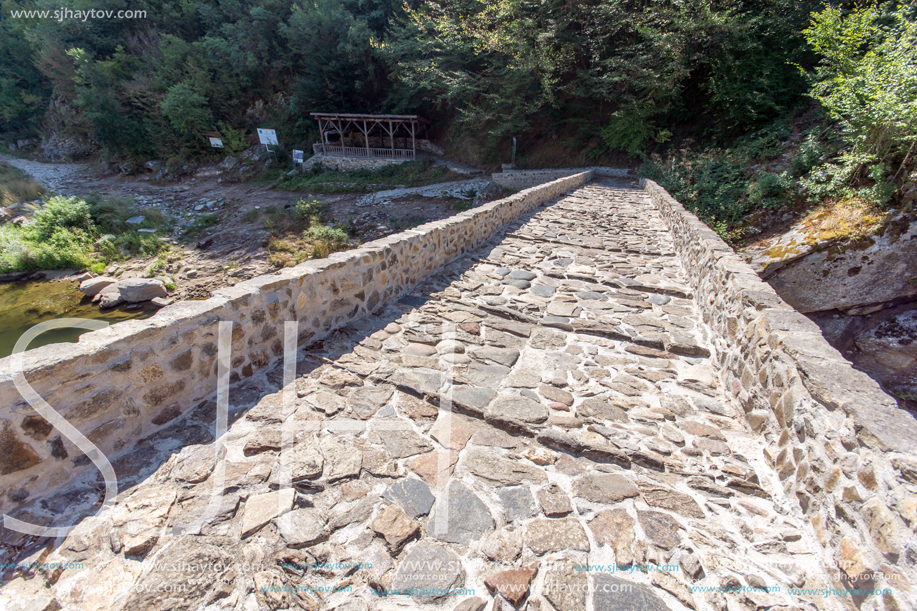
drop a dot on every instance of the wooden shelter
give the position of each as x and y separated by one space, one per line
368 136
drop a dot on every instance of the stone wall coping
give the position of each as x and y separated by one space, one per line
825 373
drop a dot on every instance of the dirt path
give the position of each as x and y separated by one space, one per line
53 176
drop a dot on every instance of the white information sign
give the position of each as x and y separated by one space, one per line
216 143
267 136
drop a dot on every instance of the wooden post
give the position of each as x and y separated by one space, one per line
413 144
391 137
366 139
321 131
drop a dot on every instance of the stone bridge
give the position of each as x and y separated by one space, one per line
583 401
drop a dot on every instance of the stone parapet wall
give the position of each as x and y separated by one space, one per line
120 385
524 179
841 446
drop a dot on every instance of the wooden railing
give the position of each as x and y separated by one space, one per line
359 152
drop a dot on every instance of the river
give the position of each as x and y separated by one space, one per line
24 304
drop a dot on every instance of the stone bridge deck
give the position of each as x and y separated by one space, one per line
545 403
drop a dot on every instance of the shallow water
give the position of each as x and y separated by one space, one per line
24 304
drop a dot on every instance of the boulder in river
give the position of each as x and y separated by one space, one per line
94 286
109 297
135 290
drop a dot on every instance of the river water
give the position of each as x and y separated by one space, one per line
24 304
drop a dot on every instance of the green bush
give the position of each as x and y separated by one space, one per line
187 111
326 240
769 190
631 129
70 233
61 213
308 213
709 184
807 156
866 81
22 250
233 139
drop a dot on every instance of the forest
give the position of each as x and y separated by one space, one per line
695 92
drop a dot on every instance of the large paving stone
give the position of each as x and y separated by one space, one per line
413 495
613 594
327 402
517 407
367 400
543 536
179 564
302 527
518 503
395 527
342 459
554 501
513 584
565 587
482 375
400 442
665 498
604 488
615 528
498 470
459 516
503 356
262 508
428 571
660 528
435 468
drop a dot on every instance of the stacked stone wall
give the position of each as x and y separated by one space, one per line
841 446
347 164
120 385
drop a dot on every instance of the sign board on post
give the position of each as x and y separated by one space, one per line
297 156
216 143
267 136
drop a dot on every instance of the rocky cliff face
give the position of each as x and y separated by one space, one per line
65 135
861 292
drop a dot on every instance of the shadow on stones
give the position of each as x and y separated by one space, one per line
135 465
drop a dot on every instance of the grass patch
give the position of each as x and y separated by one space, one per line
72 233
17 187
417 173
326 240
297 234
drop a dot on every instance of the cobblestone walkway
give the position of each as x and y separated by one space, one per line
543 404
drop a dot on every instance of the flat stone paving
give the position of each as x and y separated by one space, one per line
545 403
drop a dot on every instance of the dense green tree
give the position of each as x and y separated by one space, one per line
187 111
629 76
867 81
